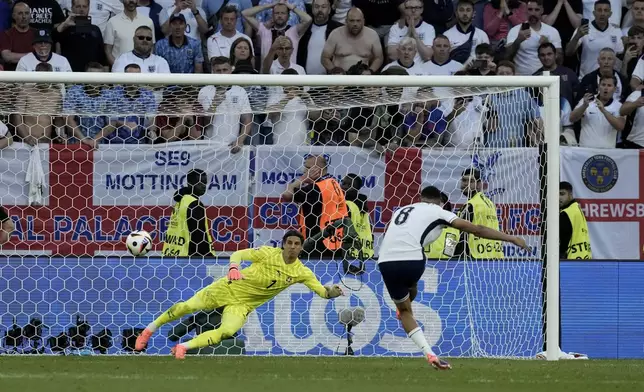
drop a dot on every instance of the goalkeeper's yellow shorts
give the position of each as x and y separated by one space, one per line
216 295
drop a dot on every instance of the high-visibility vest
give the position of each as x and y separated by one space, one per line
579 245
334 207
484 215
362 226
444 246
177 237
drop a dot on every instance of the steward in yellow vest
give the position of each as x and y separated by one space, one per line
445 246
574 238
359 214
479 210
188 232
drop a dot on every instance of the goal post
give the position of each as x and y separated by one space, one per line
239 229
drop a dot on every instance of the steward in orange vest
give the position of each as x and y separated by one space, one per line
321 201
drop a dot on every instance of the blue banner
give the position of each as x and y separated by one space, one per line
466 308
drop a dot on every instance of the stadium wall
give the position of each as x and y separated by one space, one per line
496 305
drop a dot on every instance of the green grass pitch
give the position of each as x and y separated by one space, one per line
283 374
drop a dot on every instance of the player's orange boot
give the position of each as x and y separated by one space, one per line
179 351
438 363
142 340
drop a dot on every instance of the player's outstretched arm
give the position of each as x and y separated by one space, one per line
486 232
314 285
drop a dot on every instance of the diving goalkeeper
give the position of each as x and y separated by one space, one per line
272 271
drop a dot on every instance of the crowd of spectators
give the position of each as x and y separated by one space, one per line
594 46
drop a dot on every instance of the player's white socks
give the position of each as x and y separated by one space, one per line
152 327
418 337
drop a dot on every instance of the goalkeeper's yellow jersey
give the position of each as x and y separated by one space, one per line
268 275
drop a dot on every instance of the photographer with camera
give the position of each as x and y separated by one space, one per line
499 16
80 41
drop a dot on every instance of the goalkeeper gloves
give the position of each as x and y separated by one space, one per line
233 273
333 291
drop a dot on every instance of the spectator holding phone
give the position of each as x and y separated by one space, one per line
524 40
600 116
78 39
634 48
482 64
594 36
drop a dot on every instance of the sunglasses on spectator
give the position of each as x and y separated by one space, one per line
144 38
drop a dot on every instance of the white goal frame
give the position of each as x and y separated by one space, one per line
551 115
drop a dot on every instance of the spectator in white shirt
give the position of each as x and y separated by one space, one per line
524 40
229 109
594 37
102 10
289 116
412 25
220 43
283 49
406 53
196 24
42 53
616 5
464 35
120 29
465 119
440 63
634 105
600 117
142 54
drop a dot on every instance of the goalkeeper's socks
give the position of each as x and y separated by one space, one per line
152 327
418 337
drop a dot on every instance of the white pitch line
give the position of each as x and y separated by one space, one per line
83 376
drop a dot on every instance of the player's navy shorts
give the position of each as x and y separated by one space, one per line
399 276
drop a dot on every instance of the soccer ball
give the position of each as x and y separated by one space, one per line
139 243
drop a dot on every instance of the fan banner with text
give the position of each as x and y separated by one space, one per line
92 199
97 197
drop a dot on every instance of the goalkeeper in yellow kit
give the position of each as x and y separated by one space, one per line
272 271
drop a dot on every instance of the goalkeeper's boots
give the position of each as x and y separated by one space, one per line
142 340
438 363
179 351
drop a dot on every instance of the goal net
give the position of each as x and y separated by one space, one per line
115 149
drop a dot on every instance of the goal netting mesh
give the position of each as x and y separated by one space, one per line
111 157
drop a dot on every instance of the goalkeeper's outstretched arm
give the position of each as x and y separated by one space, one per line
328 292
486 232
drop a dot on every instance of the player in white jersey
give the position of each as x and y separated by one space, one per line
402 261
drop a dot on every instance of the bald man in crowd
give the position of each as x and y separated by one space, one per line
352 43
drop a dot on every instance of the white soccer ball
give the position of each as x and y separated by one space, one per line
139 242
